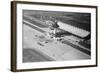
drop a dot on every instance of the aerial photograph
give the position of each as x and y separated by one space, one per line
55 36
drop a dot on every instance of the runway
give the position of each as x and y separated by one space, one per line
56 52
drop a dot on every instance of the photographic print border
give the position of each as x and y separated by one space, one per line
14 35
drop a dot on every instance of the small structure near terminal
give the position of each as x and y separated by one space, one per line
53 25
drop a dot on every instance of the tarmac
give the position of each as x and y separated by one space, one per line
50 51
